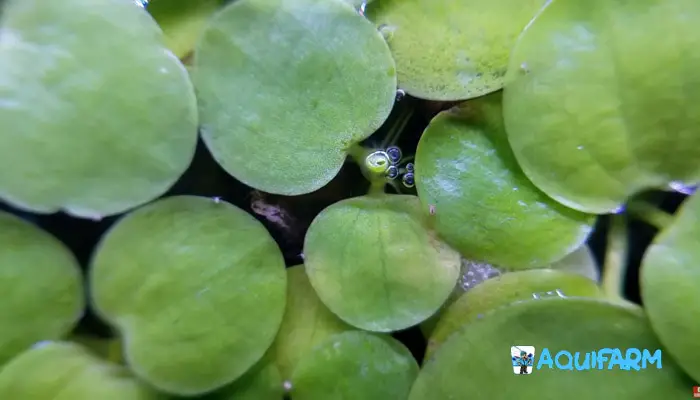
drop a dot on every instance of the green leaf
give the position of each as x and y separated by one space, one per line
66 371
97 117
41 287
670 276
306 322
195 286
182 21
600 99
579 262
475 361
472 273
484 205
286 87
262 382
357 365
504 290
451 50
373 263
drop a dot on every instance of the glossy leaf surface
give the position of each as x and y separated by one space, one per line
670 281
373 262
451 50
67 371
504 290
287 87
355 365
306 322
477 359
484 205
195 286
96 117
41 287
600 99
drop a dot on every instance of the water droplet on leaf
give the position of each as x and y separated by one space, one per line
394 154
408 180
392 172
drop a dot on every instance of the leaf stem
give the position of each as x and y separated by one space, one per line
395 131
645 211
358 153
407 159
615 263
376 187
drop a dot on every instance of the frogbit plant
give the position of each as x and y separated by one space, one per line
438 176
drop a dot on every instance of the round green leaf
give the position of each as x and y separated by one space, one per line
373 262
670 277
586 120
306 322
41 287
357 365
66 371
504 290
97 117
195 286
182 21
484 206
286 87
451 50
476 359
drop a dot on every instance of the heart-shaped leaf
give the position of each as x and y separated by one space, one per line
476 361
287 87
96 117
373 262
66 371
600 99
357 365
484 206
306 322
40 284
182 21
451 50
504 290
670 277
195 286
